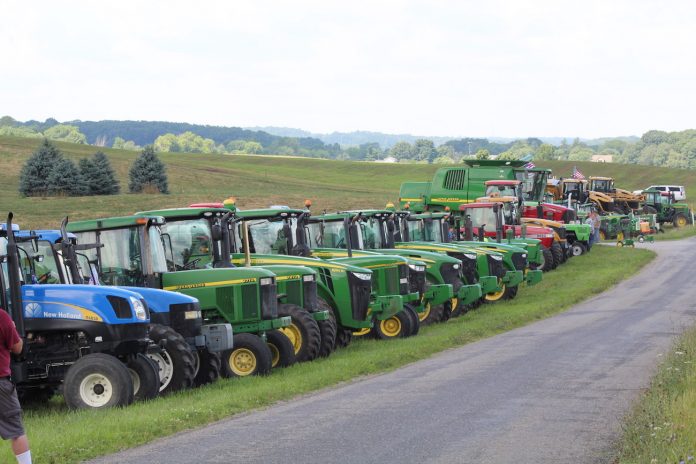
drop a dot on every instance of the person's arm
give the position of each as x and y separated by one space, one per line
17 347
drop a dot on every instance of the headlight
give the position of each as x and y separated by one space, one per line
139 308
497 257
417 267
193 315
455 266
524 255
308 278
470 255
266 281
363 275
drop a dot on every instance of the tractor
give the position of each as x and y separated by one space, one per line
135 252
623 201
666 209
64 261
190 231
90 343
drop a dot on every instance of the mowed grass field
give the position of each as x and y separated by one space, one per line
61 436
259 181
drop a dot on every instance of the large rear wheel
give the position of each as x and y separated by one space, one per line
680 220
303 332
175 362
250 356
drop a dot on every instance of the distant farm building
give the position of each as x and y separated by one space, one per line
603 158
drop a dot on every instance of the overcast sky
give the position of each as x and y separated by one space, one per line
451 68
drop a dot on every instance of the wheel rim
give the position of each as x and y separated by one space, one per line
681 221
495 296
454 302
424 315
295 335
361 332
96 390
136 380
619 244
390 327
242 361
165 367
577 250
275 354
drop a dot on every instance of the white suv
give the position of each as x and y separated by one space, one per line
677 190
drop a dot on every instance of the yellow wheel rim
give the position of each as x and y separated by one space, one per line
454 302
390 327
361 332
495 296
295 335
620 236
275 354
619 244
602 235
424 315
681 221
242 361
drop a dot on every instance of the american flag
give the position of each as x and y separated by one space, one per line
529 165
577 174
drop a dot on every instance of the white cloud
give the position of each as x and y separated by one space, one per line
438 68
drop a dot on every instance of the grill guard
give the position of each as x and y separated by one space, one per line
451 276
468 268
520 261
269 301
310 296
360 291
495 267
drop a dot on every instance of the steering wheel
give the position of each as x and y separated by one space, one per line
191 264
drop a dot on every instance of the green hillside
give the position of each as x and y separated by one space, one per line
259 181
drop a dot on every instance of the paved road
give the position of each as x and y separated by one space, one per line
550 392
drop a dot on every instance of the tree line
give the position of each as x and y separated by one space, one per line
657 148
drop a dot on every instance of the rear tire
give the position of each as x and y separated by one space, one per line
145 377
208 367
327 330
250 356
446 311
176 364
680 220
282 351
343 337
511 293
97 381
303 332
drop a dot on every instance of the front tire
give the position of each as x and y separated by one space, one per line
680 220
282 351
327 329
208 367
250 356
415 322
97 381
176 363
393 327
303 331
144 374
547 260
578 248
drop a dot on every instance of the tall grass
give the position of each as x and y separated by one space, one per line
61 436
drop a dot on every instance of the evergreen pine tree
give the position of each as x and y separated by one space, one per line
65 179
98 175
34 177
147 173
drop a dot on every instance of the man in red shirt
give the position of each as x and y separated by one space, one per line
11 427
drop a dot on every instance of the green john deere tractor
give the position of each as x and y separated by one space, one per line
190 232
133 253
666 209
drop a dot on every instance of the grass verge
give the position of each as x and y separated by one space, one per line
61 436
662 426
673 233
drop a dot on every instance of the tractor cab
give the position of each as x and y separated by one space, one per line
602 185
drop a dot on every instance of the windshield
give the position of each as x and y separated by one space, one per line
332 235
509 213
371 233
191 243
271 236
601 185
502 191
46 271
533 184
120 259
482 217
425 230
